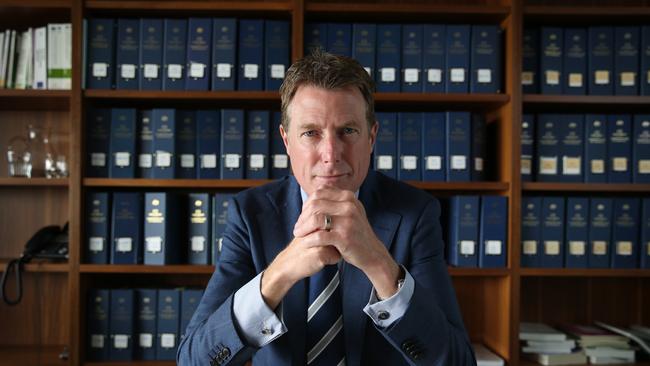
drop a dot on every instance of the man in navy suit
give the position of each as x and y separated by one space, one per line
382 237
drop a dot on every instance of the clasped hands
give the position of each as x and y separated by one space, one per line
350 237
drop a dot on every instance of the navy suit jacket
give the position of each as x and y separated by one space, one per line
260 225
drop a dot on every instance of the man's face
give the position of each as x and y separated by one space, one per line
328 140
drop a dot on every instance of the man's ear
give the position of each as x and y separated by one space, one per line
285 138
373 135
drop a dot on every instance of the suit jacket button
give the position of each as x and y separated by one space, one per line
214 362
226 352
383 315
406 346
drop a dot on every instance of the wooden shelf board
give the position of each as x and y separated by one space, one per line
478 272
182 95
586 187
584 272
40 267
461 186
572 11
136 363
415 8
543 99
174 183
525 362
146 269
51 4
35 99
34 182
190 5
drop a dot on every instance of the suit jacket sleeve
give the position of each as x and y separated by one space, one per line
431 332
212 336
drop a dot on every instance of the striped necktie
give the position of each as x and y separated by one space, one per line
325 343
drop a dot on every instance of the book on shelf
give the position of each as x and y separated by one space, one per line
539 332
574 358
485 357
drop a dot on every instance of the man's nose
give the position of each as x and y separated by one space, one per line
331 148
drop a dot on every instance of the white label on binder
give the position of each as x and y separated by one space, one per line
122 159
127 71
433 163
628 78
434 76
552 77
527 78
124 245
571 165
120 341
151 71
146 340
644 166
599 247
154 244
530 247
620 164
197 70
602 77
168 340
387 74
457 75
198 243
280 161
575 80
368 70
277 71
411 75
97 340
548 165
163 159
409 162
551 247
384 162
224 71
493 247
145 160
98 159
624 248
96 243
187 160
251 71
174 71
526 166
256 161
467 247
458 162
598 166
484 76
100 69
577 247
647 245
478 164
232 161
209 161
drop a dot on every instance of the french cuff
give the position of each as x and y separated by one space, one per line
384 313
258 323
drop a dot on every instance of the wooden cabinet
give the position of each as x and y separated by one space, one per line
51 317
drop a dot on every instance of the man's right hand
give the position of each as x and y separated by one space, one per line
297 261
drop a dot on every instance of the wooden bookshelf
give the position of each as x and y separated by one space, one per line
34 182
34 100
611 188
585 272
40 267
191 6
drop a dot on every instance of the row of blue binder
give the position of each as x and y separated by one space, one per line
585 232
591 148
178 143
477 233
138 324
598 60
154 228
432 146
430 58
198 54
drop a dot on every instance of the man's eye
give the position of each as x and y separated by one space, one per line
349 131
308 133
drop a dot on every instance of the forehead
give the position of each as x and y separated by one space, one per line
312 104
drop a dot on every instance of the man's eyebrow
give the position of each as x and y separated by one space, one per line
308 126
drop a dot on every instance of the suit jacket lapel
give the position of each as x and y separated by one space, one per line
277 228
356 286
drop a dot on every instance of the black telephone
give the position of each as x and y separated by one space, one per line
50 242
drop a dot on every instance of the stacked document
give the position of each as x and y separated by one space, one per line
548 346
602 346
485 357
